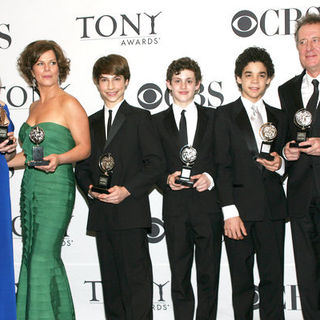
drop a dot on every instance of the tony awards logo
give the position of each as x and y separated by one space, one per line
268 132
303 120
36 136
188 156
106 165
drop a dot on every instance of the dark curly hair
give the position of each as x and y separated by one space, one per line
178 65
253 54
310 18
31 54
112 64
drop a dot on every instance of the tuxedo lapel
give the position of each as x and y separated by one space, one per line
297 91
270 116
100 131
117 123
170 125
201 127
243 122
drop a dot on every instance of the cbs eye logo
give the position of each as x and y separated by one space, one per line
244 23
150 96
157 231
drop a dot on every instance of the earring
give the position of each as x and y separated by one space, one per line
34 83
59 80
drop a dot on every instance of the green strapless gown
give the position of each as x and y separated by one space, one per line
46 205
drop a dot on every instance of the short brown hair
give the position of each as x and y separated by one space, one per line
31 54
113 64
311 18
185 63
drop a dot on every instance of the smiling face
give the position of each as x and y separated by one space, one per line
46 69
183 87
254 81
308 45
112 88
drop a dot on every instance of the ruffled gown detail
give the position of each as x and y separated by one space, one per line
46 205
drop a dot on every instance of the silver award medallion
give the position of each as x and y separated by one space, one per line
303 120
188 156
106 165
268 132
37 136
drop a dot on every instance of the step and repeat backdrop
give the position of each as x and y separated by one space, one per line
150 34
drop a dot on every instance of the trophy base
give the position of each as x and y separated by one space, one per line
100 189
4 139
36 163
266 156
296 145
185 181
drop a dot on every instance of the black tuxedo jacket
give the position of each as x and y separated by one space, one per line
133 144
168 132
303 174
240 179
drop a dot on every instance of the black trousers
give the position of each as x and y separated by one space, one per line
265 239
190 231
306 244
126 274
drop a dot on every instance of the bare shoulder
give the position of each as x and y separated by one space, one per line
2 103
70 104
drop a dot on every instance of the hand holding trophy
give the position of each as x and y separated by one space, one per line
36 136
4 123
188 156
106 165
303 120
268 132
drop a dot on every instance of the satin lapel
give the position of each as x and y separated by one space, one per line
201 127
117 124
169 123
100 131
270 116
297 91
244 125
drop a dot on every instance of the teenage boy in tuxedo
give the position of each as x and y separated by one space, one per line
192 217
121 217
250 189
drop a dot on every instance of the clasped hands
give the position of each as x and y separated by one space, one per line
202 183
293 154
116 194
273 165
8 148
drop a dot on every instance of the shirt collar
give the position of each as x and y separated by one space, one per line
248 104
307 79
114 109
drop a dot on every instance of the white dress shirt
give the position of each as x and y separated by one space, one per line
106 115
307 89
191 115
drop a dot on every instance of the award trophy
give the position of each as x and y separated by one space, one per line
302 119
188 156
268 133
4 123
106 164
36 136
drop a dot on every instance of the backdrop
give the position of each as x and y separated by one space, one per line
150 34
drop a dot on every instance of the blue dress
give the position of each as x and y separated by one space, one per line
7 287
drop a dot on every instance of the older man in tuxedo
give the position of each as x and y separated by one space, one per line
300 95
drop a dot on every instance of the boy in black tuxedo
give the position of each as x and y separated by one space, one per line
192 217
250 188
121 217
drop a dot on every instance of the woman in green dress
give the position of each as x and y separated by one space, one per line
47 190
